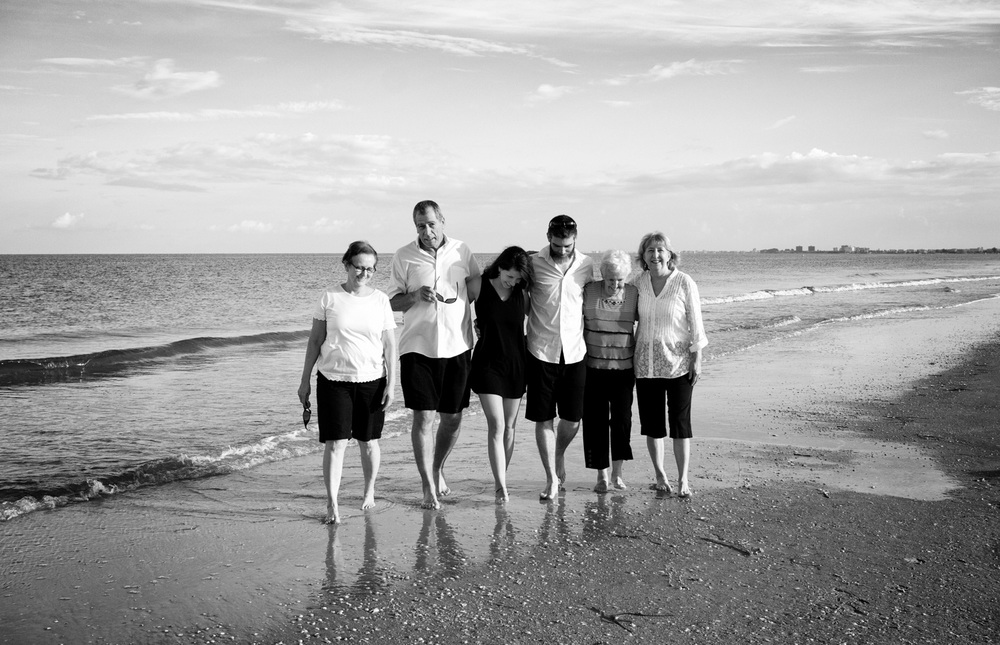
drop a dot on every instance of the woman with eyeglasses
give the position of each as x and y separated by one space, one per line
498 360
669 339
352 345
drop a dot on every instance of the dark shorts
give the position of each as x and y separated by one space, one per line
555 386
440 384
348 410
663 402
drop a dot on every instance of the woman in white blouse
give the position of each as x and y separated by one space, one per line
669 340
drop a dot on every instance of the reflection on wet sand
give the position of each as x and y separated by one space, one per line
503 535
603 517
451 558
370 575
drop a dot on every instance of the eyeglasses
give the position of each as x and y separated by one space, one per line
363 270
306 415
447 301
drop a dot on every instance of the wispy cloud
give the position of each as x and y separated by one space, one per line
780 123
690 67
98 63
935 134
210 114
163 81
987 97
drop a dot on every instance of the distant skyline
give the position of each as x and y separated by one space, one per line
247 126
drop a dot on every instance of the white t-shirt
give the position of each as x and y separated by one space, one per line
438 329
352 350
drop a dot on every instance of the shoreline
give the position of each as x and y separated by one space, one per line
790 537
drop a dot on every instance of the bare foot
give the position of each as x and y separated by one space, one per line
502 495
368 503
430 503
661 486
620 483
685 489
602 486
550 493
332 516
561 474
443 490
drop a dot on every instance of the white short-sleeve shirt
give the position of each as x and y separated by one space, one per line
670 327
555 322
435 329
352 350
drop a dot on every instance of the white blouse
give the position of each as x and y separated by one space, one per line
670 327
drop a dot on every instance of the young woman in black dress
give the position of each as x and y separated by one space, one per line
501 302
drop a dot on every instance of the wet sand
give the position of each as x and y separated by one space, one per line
844 491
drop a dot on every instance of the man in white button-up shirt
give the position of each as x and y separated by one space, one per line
428 284
556 371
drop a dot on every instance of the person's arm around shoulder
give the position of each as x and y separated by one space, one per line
317 335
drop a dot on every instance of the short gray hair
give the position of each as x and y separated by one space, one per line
616 260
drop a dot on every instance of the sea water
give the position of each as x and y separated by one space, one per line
124 371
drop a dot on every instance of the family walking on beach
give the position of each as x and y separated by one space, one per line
577 346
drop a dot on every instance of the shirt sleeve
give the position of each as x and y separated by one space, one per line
388 320
397 276
695 323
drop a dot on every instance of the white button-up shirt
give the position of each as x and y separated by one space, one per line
435 329
555 322
670 328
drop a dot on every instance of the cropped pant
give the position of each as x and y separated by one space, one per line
607 416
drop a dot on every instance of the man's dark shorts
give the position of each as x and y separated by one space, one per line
348 410
555 386
440 384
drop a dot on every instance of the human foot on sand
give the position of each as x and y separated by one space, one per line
369 502
661 486
619 483
685 489
332 516
502 495
443 490
430 499
551 492
601 486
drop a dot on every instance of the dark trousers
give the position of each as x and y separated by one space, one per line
607 416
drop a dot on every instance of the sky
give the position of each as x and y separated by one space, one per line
298 126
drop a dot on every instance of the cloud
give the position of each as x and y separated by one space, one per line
215 114
986 97
781 123
547 93
325 225
336 31
98 63
690 67
935 134
251 226
164 82
67 220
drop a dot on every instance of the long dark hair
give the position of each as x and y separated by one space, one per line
512 258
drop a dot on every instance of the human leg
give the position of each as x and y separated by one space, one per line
371 458
493 410
570 401
545 438
422 437
655 447
620 396
596 427
565 432
679 391
449 427
333 469
651 395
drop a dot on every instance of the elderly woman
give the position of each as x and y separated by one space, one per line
352 345
498 361
669 340
609 315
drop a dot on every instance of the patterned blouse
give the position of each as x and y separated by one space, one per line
670 327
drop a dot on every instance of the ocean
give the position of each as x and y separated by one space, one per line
126 371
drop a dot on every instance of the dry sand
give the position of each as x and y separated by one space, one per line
844 493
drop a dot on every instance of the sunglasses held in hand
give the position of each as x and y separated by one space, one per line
447 301
306 415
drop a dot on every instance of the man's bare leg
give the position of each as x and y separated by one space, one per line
565 432
371 458
422 435
545 437
333 469
447 435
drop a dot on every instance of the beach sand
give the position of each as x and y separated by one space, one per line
845 491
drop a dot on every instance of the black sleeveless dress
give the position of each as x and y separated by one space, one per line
499 357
